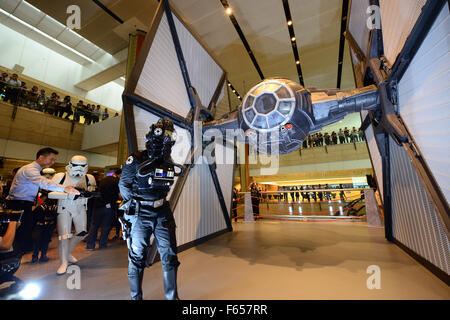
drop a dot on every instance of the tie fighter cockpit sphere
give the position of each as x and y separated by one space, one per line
279 112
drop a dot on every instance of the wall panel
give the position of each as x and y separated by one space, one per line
414 220
424 100
397 19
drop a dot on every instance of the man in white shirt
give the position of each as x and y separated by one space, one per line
24 189
13 89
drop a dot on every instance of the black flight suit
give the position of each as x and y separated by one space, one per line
147 220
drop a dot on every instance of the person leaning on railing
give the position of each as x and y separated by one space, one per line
42 101
88 114
32 97
65 107
105 114
13 89
3 84
96 114
52 104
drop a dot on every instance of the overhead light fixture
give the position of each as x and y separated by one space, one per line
293 39
289 23
229 84
297 62
228 11
239 97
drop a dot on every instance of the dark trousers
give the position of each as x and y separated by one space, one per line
42 235
255 205
161 223
23 240
101 217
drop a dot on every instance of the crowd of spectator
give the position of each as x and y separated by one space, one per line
14 91
342 136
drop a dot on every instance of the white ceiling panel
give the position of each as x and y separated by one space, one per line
50 26
28 13
87 48
16 26
97 54
70 38
9 5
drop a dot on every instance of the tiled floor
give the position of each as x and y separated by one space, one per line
262 260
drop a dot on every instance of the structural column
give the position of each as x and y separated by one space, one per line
135 44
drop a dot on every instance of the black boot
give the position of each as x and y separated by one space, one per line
135 280
43 257
170 284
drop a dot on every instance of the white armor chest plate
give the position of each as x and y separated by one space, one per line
79 182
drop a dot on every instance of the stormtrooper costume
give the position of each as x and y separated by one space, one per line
72 209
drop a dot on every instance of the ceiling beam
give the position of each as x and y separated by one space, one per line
242 36
342 41
109 12
103 77
290 26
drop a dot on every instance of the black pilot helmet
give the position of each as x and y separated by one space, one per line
160 139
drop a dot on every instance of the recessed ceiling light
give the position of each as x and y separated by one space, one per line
228 11
293 39
289 23
297 62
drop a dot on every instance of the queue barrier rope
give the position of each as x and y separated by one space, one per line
344 209
347 219
289 212
301 202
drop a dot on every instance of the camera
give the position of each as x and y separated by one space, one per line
6 216
9 261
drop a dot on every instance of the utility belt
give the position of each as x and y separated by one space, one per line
144 203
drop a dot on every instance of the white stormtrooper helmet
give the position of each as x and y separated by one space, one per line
48 172
78 166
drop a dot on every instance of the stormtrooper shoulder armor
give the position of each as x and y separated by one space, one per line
58 177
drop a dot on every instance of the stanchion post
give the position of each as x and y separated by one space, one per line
372 213
248 209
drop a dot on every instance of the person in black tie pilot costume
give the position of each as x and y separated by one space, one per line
147 177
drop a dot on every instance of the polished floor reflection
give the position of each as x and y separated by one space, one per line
262 260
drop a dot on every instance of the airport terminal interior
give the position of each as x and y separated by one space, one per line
304 153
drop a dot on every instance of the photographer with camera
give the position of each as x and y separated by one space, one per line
24 190
6 241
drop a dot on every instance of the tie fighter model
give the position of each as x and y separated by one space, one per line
175 77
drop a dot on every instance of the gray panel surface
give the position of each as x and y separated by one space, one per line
198 212
204 72
397 19
424 100
225 171
414 220
357 24
375 156
161 80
